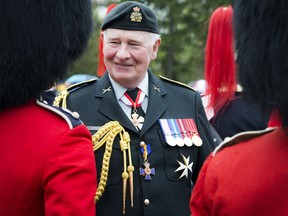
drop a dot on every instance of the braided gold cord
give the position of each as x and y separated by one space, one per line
106 134
125 176
126 137
61 98
103 131
111 130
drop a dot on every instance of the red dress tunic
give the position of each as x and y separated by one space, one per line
249 179
47 166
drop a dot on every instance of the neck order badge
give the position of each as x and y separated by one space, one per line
134 98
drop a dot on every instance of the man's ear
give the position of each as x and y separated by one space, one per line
102 36
156 48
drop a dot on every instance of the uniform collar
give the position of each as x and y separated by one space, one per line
120 90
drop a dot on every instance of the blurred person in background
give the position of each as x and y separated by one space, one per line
226 110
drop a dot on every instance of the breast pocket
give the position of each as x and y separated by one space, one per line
178 161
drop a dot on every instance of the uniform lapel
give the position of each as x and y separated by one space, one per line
156 105
109 106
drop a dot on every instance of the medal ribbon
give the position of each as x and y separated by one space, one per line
167 132
165 127
192 127
146 171
130 102
186 125
182 129
145 150
176 130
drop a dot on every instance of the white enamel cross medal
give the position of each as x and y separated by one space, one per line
137 120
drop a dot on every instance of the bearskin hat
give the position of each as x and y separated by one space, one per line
39 39
260 29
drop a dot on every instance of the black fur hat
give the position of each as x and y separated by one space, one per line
261 36
38 40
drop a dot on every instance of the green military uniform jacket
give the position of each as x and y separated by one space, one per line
166 194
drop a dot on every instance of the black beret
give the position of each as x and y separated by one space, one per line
131 15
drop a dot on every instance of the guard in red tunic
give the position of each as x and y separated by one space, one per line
47 165
247 175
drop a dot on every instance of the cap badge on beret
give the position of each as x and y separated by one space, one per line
131 16
136 16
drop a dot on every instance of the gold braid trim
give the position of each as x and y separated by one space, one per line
61 98
106 134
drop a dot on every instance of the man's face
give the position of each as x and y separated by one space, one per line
127 55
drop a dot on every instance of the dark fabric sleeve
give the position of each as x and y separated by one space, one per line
203 127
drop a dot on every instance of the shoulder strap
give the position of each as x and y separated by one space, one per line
176 82
241 137
60 100
72 118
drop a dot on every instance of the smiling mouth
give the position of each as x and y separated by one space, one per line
123 65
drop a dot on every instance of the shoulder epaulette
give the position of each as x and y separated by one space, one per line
176 82
72 118
60 100
241 137
79 85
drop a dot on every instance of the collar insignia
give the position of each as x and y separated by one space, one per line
107 90
156 88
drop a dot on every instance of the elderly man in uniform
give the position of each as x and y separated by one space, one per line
169 133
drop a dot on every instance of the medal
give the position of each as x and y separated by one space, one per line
170 140
136 119
197 141
176 132
185 166
184 131
180 132
146 171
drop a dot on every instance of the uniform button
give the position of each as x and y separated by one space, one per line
146 202
75 115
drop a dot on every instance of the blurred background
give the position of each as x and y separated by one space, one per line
183 27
